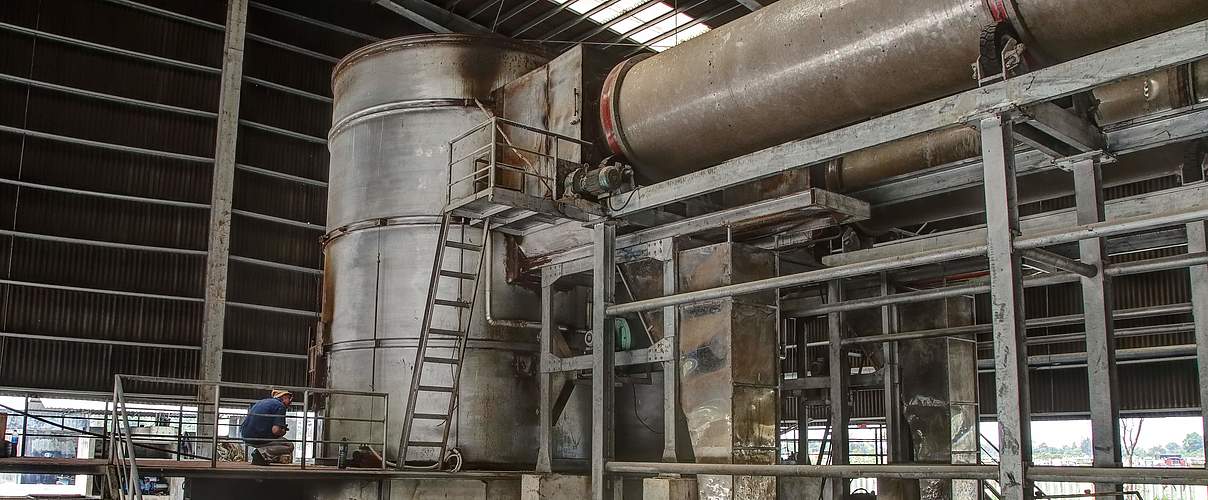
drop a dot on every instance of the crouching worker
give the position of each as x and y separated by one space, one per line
265 427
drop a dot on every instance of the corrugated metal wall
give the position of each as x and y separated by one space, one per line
106 133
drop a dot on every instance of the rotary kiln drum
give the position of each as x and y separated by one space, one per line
397 104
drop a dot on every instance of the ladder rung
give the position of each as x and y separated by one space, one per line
431 416
426 444
464 246
458 274
442 331
435 388
452 303
447 361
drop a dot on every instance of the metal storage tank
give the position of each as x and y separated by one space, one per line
397 104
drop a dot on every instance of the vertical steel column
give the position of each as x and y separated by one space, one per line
604 282
1006 308
1097 314
1197 241
21 448
671 366
840 369
217 420
221 193
385 429
545 424
305 425
889 353
803 409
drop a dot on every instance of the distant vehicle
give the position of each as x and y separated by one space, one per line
1172 460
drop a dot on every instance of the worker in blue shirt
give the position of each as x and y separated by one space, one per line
265 427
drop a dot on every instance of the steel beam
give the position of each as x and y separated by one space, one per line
642 27
671 407
602 347
612 22
1044 239
156 59
222 192
1197 241
298 17
149 248
752 5
154 153
912 471
1167 49
1060 262
578 19
1006 306
432 17
1183 198
894 424
840 370
700 20
1074 131
1156 131
545 424
541 18
845 207
1097 317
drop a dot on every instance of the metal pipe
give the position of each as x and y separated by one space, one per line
1139 267
1056 237
1060 262
740 77
1072 319
1132 475
1159 352
1159 264
913 471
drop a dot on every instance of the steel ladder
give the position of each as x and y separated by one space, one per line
464 308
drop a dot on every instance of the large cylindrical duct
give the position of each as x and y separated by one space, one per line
397 104
799 68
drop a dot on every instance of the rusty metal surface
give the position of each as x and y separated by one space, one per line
1065 29
726 264
436 66
728 368
912 154
800 68
1143 95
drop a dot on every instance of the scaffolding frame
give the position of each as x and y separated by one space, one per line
994 110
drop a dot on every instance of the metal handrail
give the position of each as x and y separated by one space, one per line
209 416
488 153
506 121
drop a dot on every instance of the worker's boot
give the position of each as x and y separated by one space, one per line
257 458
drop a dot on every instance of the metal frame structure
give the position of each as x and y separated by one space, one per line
993 110
208 413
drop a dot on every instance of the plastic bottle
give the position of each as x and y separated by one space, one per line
342 459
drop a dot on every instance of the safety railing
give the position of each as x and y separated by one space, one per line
205 434
506 154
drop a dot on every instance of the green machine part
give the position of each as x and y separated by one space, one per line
624 335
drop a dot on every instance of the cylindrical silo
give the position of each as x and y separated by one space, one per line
397 103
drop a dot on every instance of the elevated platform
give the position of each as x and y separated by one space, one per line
231 470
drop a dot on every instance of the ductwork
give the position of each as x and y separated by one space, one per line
799 68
